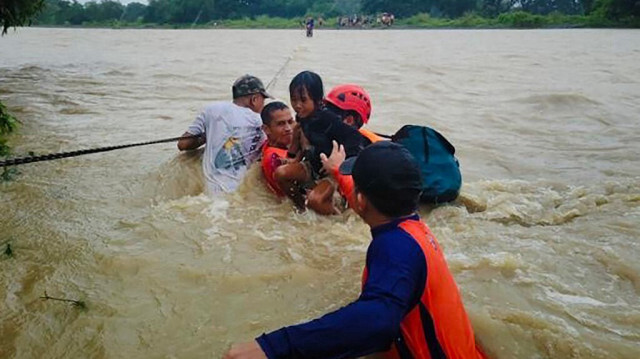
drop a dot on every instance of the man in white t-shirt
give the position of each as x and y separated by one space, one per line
232 134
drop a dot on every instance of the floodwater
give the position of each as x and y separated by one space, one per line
544 241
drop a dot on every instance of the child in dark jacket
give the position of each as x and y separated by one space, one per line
316 130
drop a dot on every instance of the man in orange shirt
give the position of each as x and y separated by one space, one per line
277 124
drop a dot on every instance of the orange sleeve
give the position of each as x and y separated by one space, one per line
345 186
271 159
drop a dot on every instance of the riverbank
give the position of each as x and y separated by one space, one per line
515 20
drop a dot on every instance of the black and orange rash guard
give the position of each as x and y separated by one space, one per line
272 158
409 307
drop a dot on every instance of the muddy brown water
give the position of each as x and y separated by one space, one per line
544 241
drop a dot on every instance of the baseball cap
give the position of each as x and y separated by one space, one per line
248 85
385 170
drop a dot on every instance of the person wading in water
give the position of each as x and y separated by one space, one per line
232 135
410 305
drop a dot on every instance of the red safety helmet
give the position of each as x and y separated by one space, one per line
351 97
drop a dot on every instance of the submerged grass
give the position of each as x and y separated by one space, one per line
77 303
8 124
8 251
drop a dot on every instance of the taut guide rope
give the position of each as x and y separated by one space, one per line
55 156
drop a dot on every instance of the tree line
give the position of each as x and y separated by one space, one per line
64 12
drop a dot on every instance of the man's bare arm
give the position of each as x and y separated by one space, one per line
191 142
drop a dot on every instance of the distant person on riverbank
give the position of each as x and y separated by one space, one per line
409 305
232 135
277 124
387 19
310 25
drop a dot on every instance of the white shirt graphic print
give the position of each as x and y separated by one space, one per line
234 138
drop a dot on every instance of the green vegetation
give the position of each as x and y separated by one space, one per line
13 13
8 124
516 19
8 174
18 12
262 21
290 13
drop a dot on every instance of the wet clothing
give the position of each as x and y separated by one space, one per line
321 129
438 326
272 158
345 182
234 138
409 299
345 187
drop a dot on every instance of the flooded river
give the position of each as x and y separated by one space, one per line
544 241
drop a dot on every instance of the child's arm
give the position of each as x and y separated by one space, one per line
331 165
294 153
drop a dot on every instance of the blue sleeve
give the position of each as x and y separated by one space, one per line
397 273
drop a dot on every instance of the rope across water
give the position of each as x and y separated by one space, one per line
281 70
59 155
55 156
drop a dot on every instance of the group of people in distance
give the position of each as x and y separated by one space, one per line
409 306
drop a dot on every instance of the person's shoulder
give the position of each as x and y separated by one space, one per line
395 245
230 109
394 238
272 157
393 234
216 106
266 149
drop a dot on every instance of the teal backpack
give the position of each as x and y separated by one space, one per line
440 170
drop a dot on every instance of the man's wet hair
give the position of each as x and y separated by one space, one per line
310 81
388 176
403 204
269 109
